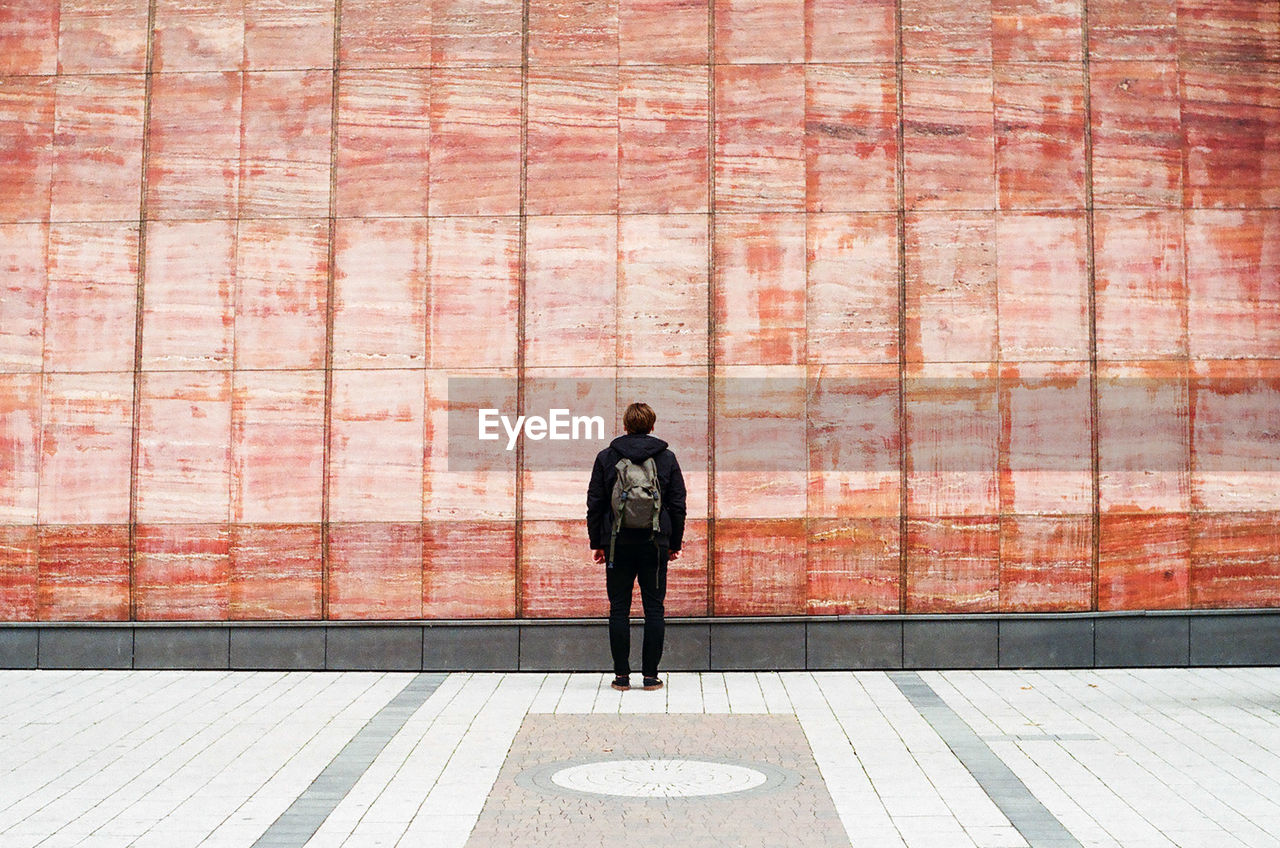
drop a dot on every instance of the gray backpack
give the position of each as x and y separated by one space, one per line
637 499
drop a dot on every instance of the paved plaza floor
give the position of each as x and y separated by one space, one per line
1132 758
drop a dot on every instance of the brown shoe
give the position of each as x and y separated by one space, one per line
651 683
622 683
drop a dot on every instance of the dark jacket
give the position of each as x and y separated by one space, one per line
637 448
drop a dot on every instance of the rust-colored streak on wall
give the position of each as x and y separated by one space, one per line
947 306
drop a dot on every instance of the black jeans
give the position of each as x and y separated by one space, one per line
648 564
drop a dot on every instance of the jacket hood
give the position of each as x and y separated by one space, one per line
638 447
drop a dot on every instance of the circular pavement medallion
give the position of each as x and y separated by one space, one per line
658 778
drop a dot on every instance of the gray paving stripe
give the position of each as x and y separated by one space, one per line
1025 812
299 823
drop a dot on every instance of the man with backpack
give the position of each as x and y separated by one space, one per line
635 518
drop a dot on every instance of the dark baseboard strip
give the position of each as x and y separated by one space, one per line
1023 810
1082 640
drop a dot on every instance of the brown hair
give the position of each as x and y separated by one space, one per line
639 418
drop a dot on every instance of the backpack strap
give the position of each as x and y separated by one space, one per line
652 468
617 519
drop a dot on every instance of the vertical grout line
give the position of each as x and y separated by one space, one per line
1188 370
330 286
900 213
521 302
138 316
711 307
1095 519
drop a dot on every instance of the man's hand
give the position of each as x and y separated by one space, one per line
673 555
598 555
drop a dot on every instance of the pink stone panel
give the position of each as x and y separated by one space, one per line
953 441
679 396
86 449
556 473
1045 453
953 564
759 289
853 566
845 31
662 290
466 479
951 287
193 161
1036 30
946 30
1235 461
557 576
662 32
23 283
1122 29
1046 563
84 573
759 31
1144 561
281 293
284 148
182 572
475 142
469 569
761 567
573 32
26 146
851 137
1228 31
948 137
1137 133
1140 285
275 572
376 446
854 442
1235 560
476 32
199 35
188 311
386 34
277 447
293 34
1233 283
473 294
384 132
184 448
1039 120
97 166
18 573
380 281
759 138
852 291
686 575
662 139
571 291
375 571
1231 134
1144 435
760 443
91 302
29 32
1039 321
19 447
572 152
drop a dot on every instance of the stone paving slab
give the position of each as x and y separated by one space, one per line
528 807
